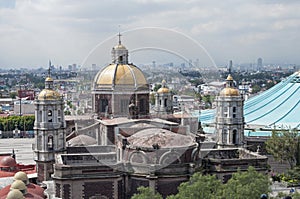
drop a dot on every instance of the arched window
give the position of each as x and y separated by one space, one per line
49 116
103 105
40 116
50 142
234 109
234 137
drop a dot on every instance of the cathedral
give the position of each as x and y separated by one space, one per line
125 147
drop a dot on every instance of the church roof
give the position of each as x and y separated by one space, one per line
229 92
7 161
164 138
82 140
49 94
115 75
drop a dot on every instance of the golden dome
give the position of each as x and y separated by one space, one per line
21 176
20 185
49 94
119 47
163 90
48 79
120 75
15 194
229 92
229 78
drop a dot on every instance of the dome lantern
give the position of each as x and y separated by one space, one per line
229 90
119 53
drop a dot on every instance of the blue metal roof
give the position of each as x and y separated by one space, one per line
277 107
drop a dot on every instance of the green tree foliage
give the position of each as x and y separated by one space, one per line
22 123
146 193
243 185
152 98
246 185
13 95
284 146
156 87
256 88
199 187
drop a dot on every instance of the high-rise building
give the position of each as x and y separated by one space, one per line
259 64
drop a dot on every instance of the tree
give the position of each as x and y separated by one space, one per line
284 146
199 186
146 193
156 87
246 185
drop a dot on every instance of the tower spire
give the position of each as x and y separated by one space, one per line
49 69
119 35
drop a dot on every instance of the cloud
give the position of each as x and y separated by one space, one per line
32 31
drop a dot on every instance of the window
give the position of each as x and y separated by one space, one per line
234 109
49 116
103 105
166 102
142 105
40 116
124 106
224 135
50 142
234 137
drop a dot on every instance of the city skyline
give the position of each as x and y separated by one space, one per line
32 32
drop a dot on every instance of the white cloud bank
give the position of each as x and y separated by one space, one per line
34 31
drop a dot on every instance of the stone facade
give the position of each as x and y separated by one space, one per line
230 116
49 130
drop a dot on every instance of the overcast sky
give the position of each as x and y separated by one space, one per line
65 31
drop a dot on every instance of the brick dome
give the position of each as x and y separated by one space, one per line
8 162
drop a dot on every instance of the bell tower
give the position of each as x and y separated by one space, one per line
49 129
163 100
230 116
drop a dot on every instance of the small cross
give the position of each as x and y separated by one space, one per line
119 35
49 72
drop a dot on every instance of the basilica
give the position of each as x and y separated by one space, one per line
126 145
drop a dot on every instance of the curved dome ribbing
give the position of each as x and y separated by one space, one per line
118 75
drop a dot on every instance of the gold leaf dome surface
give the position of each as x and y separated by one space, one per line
49 94
120 75
230 92
163 90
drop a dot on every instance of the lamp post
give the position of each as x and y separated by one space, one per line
20 98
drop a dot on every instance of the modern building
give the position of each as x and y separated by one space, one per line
259 64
